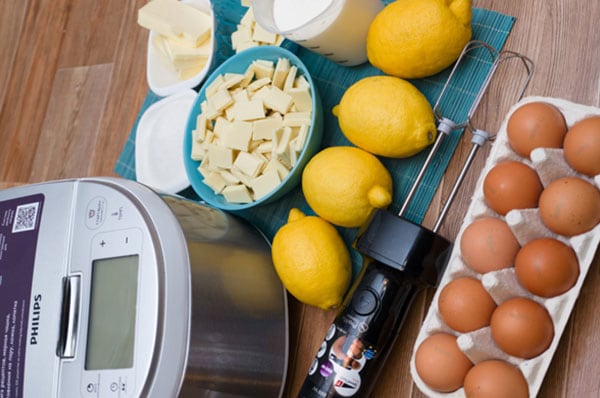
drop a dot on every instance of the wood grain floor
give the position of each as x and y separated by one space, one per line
72 79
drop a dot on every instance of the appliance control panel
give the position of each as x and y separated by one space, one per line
79 291
114 255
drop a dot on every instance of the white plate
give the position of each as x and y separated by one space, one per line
159 143
163 80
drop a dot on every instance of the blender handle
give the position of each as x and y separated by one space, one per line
362 334
399 259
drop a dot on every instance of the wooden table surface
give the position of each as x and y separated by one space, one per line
72 79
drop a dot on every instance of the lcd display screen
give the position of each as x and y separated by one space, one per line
111 327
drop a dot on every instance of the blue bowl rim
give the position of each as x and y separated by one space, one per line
245 58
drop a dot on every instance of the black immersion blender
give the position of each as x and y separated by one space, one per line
399 259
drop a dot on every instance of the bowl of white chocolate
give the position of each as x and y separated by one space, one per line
254 125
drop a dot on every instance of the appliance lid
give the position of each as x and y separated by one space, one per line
82 263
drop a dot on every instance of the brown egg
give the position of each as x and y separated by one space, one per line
570 206
582 146
511 185
522 327
495 379
534 125
440 363
488 244
465 305
547 267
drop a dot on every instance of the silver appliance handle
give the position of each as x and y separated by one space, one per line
70 316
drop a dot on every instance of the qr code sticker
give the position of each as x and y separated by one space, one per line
25 217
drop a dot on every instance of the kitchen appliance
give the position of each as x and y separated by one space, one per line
109 289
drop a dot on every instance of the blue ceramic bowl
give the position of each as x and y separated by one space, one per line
238 64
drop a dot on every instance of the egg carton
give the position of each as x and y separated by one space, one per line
503 284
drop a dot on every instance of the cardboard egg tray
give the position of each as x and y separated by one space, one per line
502 285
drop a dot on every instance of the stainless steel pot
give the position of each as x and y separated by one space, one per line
239 337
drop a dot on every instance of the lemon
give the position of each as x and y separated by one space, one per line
344 184
418 38
387 116
312 260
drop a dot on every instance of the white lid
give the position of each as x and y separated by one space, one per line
159 143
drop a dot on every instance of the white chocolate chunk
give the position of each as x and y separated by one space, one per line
248 77
210 137
281 70
278 100
281 169
246 180
221 126
292 155
248 164
246 29
290 78
263 36
250 34
200 130
281 140
263 129
215 181
265 183
214 86
229 178
232 80
209 110
198 151
238 193
220 100
301 82
204 168
283 158
220 156
302 98
261 158
296 119
264 147
248 18
239 37
240 95
259 83
261 93
263 69
300 139
238 135
249 110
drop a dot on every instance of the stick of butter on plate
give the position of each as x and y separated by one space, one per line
176 20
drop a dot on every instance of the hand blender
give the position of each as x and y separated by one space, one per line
399 259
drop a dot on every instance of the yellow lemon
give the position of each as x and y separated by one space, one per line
387 116
343 185
418 38
312 260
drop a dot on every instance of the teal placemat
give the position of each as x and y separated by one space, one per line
332 81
